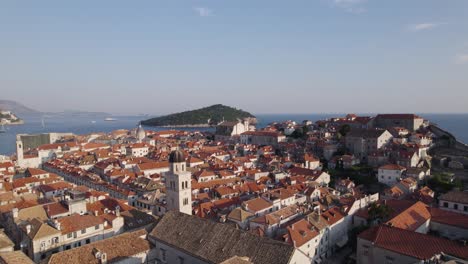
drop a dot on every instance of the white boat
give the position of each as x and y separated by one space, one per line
110 119
93 122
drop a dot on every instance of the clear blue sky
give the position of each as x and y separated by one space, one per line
262 56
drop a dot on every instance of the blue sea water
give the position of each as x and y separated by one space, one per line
455 123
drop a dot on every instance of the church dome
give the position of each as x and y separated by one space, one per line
176 156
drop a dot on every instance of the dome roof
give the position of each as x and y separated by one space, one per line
176 156
141 133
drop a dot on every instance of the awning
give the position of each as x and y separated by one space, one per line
341 243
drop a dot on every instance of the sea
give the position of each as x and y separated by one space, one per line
457 124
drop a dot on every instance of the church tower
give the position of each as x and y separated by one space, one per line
140 133
178 184
19 151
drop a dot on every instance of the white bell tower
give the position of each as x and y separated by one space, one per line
178 184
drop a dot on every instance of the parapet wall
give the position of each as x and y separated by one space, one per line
439 132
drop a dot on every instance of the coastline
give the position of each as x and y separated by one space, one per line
21 122
184 126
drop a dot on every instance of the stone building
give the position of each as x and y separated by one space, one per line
411 122
180 238
178 184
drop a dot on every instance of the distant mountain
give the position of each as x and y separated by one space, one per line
78 113
210 115
16 107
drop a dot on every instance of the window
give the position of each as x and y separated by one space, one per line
365 250
389 260
96 227
83 231
181 260
163 255
445 204
465 208
43 244
185 201
69 235
88 241
455 206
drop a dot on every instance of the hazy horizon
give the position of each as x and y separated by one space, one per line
266 57
254 113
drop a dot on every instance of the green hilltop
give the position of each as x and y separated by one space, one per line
210 115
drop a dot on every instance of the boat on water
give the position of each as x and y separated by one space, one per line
110 119
93 122
2 129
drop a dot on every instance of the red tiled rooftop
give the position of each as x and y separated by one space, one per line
411 243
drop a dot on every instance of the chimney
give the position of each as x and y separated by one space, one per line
117 210
103 258
57 224
15 212
96 213
28 228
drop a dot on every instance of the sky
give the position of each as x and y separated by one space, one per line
311 56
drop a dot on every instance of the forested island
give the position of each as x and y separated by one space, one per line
207 116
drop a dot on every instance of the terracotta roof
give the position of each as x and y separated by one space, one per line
55 209
34 171
15 257
333 215
78 222
365 132
192 159
449 218
301 232
398 116
223 190
239 214
411 243
412 218
257 204
203 173
276 216
455 196
392 167
262 133
55 186
153 165
117 248
108 203
40 229
5 241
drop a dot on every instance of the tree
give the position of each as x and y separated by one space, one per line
378 212
297 134
344 129
443 182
